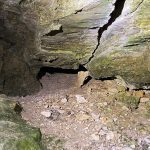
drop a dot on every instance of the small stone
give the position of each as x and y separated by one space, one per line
144 100
82 76
54 114
147 140
105 103
104 128
95 137
102 132
83 117
132 146
80 99
64 100
110 136
115 119
104 120
47 114
46 106
95 116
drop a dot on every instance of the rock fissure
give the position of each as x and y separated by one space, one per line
55 32
119 5
78 11
136 7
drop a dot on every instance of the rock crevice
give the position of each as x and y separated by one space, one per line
119 5
98 34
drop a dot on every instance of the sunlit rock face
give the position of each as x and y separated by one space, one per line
124 48
109 38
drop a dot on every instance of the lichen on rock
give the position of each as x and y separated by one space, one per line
15 134
124 47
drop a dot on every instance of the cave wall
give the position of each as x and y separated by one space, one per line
110 38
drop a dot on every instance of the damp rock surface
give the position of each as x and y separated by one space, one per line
109 38
15 134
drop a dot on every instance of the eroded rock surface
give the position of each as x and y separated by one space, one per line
109 38
15 134
124 48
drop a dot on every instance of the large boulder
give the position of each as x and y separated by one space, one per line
15 134
124 48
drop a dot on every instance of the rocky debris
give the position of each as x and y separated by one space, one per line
47 114
138 94
83 117
64 100
52 114
144 100
55 114
82 77
103 122
95 137
146 143
80 99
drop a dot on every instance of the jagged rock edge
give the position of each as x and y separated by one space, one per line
105 27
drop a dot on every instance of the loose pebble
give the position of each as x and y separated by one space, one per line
47 114
110 136
64 100
82 76
80 99
95 137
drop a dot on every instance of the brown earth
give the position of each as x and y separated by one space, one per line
97 121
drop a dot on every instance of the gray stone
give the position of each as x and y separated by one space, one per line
15 134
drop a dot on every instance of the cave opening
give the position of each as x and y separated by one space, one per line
57 79
52 70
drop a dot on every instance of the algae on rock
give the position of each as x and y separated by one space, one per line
15 134
125 47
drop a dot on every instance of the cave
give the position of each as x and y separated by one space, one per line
71 66
67 42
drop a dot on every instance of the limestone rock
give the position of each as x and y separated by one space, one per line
82 77
124 47
14 132
109 38
46 33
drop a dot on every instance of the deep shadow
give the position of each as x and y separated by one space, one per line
54 32
52 70
107 78
119 5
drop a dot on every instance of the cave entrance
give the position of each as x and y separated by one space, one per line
58 79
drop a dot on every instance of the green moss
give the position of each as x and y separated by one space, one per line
130 101
15 134
147 114
53 142
27 144
134 70
21 144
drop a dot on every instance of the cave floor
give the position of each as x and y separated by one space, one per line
87 118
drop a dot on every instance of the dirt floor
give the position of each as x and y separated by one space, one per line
97 116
